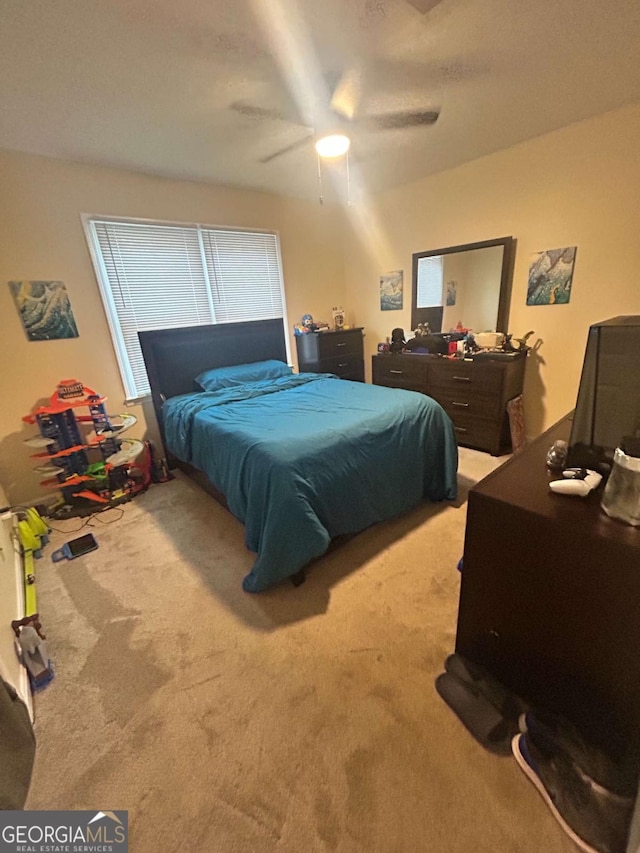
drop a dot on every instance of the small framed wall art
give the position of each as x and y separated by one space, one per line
550 276
45 309
391 290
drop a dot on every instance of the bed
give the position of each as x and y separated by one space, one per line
300 459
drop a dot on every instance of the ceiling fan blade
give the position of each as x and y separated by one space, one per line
424 6
347 93
392 121
260 112
293 147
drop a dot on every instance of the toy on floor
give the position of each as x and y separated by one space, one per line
33 535
99 468
75 548
32 650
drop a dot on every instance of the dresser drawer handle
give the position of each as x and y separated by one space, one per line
343 344
462 378
399 372
343 363
460 429
461 405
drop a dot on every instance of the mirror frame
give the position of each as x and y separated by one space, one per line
506 277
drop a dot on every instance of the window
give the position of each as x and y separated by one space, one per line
161 275
430 282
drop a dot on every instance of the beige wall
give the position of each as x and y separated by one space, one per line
41 237
579 186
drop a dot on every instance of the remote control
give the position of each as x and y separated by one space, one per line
576 481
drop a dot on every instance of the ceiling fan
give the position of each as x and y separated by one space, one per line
342 117
334 122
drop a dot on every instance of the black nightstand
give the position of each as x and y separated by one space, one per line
340 352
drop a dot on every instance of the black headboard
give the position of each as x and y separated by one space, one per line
174 357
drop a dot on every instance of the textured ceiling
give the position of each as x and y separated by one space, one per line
161 87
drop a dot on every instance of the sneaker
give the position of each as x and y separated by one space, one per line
478 715
551 732
595 823
508 705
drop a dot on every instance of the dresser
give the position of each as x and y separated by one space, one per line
473 393
340 352
549 595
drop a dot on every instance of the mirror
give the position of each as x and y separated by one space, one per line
468 284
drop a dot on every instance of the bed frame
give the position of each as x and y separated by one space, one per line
174 357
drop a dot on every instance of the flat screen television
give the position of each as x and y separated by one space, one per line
608 404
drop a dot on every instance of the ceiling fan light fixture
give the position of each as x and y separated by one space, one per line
333 145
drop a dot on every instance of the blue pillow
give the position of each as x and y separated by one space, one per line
240 374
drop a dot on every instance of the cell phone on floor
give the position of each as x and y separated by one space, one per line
75 548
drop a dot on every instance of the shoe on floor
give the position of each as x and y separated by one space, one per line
479 716
594 822
510 706
551 732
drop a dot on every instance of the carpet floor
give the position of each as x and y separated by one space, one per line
300 719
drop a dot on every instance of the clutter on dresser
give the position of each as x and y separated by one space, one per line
489 340
511 344
458 342
397 343
337 313
308 324
621 497
576 481
557 455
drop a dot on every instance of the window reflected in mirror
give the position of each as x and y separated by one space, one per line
467 286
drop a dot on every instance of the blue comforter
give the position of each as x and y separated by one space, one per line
307 457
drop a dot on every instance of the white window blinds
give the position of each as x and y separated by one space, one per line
157 276
430 282
244 273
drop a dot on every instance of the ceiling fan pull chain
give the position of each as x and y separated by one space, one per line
321 199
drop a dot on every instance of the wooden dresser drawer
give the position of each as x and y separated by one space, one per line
469 424
333 344
466 377
488 433
409 372
472 401
347 366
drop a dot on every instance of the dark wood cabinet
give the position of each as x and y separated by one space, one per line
550 595
340 352
473 393
401 371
